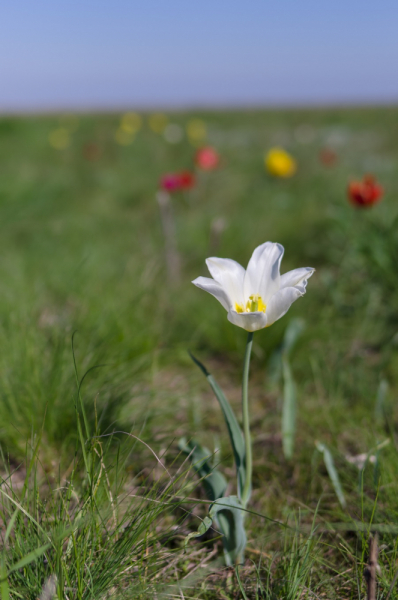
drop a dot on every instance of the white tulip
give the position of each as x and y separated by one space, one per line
259 296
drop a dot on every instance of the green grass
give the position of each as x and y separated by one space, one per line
81 251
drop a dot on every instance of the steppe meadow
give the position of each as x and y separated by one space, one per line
124 474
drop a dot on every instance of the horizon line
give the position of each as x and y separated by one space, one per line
174 107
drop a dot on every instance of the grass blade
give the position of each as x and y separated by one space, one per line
380 404
331 469
30 557
4 587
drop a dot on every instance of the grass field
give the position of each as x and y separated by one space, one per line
82 253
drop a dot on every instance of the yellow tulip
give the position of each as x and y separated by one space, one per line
158 122
279 163
130 122
59 138
196 131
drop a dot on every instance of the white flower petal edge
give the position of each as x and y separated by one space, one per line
258 297
281 302
215 289
296 277
249 321
230 275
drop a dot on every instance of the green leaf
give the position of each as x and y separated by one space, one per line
228 515
331 469
235 432
292 333
275 362
274 367
288 410
213 481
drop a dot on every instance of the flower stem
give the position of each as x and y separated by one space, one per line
246 421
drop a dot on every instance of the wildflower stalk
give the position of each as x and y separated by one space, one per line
173 258
246 420
254 299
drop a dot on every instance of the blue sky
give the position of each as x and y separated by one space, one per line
85 54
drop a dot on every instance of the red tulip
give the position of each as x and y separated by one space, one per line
174 182
187 180
207 158
365 193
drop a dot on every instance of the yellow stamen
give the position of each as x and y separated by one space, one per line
254 304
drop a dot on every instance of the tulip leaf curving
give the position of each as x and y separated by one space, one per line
235 432
228 515
213 481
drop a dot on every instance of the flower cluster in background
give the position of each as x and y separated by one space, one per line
176 182
278 162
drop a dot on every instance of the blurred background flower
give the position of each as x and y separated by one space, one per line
279 163
157 122
175 182
130 122
365 193
59 138
187 180
196 131
207 158
173 133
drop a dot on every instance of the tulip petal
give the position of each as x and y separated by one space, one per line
262 274
230 275
296 277
249 321
214 288
281 302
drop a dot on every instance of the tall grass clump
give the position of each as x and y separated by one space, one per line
88 532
